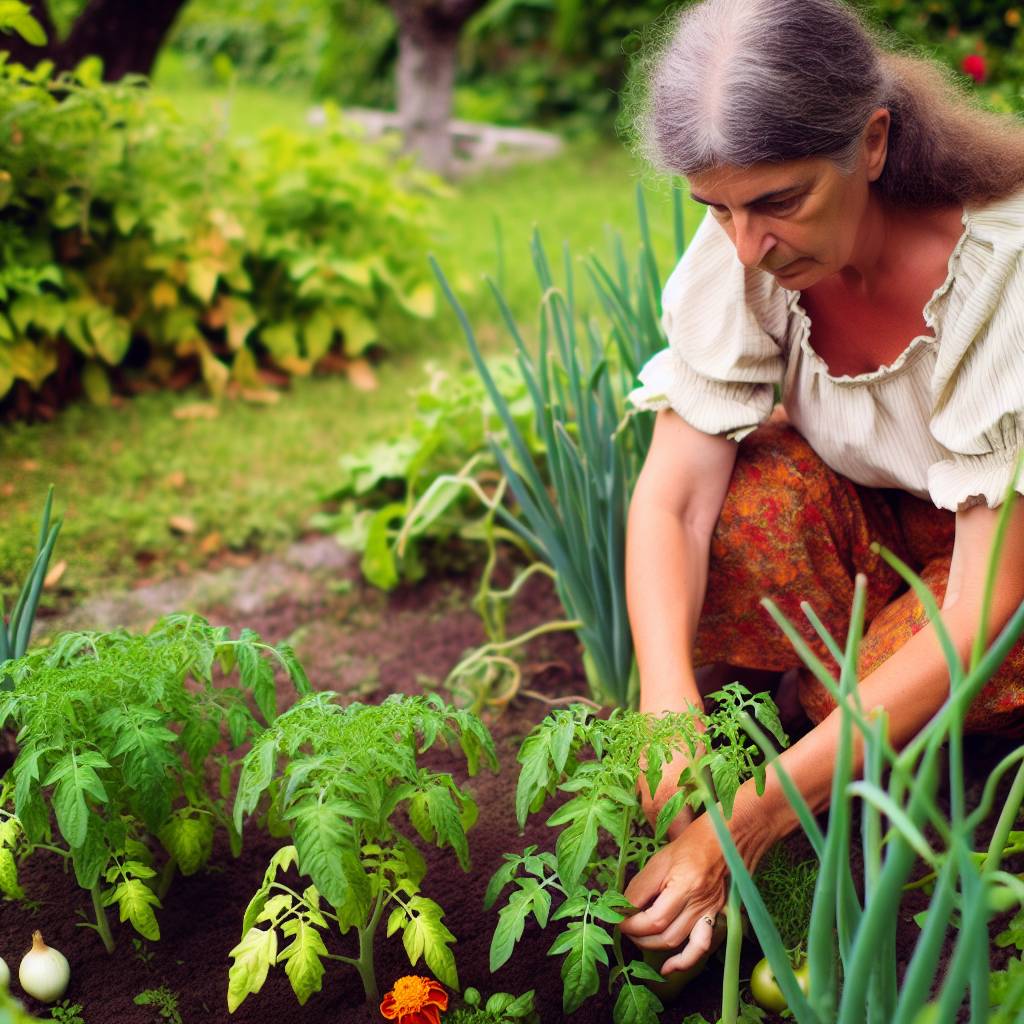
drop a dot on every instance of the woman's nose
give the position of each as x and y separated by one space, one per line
752 244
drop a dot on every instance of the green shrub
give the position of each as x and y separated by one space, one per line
121 223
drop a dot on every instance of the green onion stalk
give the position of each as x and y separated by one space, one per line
898 793
573 499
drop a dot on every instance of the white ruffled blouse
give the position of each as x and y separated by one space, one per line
945 420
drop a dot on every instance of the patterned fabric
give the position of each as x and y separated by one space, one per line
794 530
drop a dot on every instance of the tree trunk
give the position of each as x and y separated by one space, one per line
125 34
428 36
426 80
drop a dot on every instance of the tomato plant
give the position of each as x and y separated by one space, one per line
117 737
587 883
346 773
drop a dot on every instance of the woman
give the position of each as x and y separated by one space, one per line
862 252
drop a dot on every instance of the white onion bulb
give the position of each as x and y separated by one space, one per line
5 975
44 972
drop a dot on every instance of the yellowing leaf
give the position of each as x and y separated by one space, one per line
215 373
358 331
53 577
361 375
182 524
6 371
318 333
9 875
31 362
281 340
189 840
420 301
135 901
163 295
110 334
304 968
202 279
240 322
253 957
96 383
196 411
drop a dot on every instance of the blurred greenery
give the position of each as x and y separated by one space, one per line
526 61
252 477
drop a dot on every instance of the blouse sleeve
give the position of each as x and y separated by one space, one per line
722 320
978 386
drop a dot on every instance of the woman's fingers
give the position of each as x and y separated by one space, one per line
701 935
658 917
646 885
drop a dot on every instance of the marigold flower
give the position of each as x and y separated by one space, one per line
974 65
1012 17
415 1000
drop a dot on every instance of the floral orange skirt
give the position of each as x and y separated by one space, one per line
794 530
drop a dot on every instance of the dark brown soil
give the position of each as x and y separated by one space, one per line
368 646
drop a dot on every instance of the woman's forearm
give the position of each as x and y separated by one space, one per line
666 577
911 686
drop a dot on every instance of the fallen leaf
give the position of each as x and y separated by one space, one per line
182 524
361 375
196 411
52 578
177 479
260 396
211 543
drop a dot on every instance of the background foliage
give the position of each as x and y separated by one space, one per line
527 61
126 235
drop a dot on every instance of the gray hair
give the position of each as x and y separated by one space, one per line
742 82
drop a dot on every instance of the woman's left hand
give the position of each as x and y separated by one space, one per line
679 893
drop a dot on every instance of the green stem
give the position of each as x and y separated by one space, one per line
733 945
166 877
365 964
1007 817
102 924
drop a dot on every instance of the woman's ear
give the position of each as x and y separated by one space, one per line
876 142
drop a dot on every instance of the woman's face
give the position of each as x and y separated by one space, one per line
802 220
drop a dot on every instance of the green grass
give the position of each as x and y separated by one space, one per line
254 474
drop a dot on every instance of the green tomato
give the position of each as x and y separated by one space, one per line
765 988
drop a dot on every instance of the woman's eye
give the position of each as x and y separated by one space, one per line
782 206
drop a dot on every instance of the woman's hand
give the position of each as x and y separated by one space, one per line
679 893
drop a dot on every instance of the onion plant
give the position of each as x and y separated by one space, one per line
573 506
14 635
899 811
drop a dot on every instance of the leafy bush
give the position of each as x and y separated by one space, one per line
382 485
123 224
118 738
346 772
341 49
959 30
600 764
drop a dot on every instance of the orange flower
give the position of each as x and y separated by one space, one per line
415 1000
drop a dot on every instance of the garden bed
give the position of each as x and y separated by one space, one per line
370 646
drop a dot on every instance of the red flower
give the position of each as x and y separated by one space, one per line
415 1000
974 65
